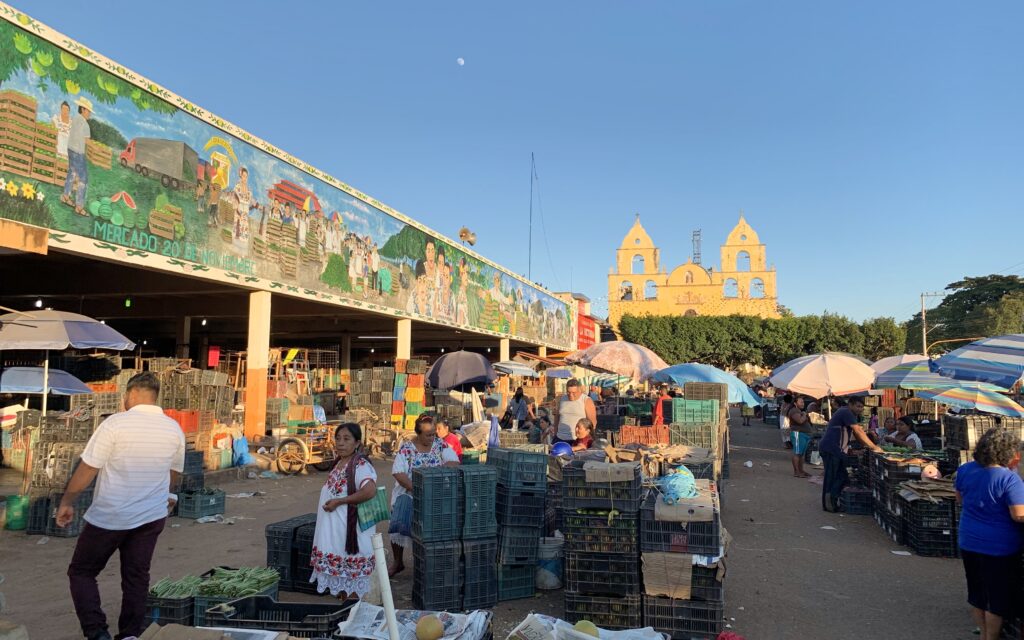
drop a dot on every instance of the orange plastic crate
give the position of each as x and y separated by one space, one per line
397 408
643 435
416 380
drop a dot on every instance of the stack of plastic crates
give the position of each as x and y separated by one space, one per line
522 484
888 472
673 551
302 569
930 528
857 501
437 523
281 549
479 538
602 544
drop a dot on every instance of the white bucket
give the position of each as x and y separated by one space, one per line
549 564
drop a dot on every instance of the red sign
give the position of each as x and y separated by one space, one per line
586 332
213 357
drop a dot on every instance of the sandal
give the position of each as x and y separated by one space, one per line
80 211
67 200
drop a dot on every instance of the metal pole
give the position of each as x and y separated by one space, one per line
529 244
924 328
46 380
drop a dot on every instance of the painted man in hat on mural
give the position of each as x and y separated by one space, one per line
78 173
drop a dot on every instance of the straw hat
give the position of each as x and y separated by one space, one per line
84 102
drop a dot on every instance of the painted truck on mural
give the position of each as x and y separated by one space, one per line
88 149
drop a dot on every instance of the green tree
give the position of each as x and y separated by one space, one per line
883 337
107 134
962 313
1006 316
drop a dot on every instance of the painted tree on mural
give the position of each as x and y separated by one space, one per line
51 65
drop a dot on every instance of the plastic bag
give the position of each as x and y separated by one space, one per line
240 455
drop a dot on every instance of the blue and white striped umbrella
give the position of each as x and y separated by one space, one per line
998 360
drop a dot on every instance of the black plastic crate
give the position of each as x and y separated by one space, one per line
684 619
480 573
438 504
169 611
302 570
597 533
622 612
437 575
520 507
299 620
705 584
891 524
519 469
698 538
194 462
925 514
281 546
198 504
896 471
577 493
602 574
857 501
192 482
77 522
479 487
938 543
518 545
38 511
515 582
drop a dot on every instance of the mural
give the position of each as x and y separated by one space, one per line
86 152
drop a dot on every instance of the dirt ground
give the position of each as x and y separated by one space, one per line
787 577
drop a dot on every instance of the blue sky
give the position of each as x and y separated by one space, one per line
876 147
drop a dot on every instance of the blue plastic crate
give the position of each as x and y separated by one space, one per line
438 504
479 489
520 507
519 469
480 574
194 505
518 545
689 411
437 578
515 582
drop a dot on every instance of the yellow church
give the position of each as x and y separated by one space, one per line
639 285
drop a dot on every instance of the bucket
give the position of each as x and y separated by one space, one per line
549 564
17 513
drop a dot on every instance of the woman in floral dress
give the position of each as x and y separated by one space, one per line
342 557
425 450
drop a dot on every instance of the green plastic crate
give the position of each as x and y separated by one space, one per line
694 411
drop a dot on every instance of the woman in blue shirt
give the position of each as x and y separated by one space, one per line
991 495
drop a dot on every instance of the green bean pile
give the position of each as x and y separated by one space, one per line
176 589
237 583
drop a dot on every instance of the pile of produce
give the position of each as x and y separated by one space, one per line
237 583
175 589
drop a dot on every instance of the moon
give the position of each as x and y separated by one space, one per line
460 61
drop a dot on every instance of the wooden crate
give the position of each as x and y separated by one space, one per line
98 154
161 224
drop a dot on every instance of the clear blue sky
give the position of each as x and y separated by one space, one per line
877 147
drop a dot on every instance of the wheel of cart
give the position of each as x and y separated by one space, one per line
313 448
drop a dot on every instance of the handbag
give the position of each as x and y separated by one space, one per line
401 517
373 510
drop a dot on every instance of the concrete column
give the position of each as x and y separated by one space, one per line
183 338
542 352
346 352
403 346
504 350
257 360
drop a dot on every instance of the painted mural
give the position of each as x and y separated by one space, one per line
87 152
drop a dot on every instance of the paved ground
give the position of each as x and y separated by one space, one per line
788 578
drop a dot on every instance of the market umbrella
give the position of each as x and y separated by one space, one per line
606 380
883 365
18 380
917 375
510 368
460 368
680 374
998 360
824 374
623 358
558 373
47 330
980 399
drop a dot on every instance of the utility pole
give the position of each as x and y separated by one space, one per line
924 319
529 244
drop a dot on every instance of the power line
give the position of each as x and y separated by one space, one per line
544 228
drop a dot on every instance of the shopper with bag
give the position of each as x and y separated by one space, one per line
425 450
342 557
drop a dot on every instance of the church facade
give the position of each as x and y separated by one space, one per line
744 285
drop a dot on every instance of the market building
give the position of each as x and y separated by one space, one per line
123 201
744 285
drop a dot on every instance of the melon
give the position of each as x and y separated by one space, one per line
429 628
587 627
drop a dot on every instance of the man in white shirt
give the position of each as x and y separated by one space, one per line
135 457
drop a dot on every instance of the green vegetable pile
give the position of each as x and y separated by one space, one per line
176 589
237 583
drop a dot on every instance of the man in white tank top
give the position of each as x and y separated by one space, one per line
572 407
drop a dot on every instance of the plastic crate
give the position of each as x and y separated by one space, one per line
689 411
577 493
194 462
201 604
480 574
896 471
199 504
163 611
698 538
438 504
281 546
925 514
938 543
602 574
684 619
38 511
963 432
302 569
697 434
520 507
518 545
192 482
705 585
649 436
479 489
891 524
510 439
617 613
75 527
519 469
593 533
515 582
856 501
437 576
298 619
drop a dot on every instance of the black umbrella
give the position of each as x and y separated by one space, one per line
460 368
